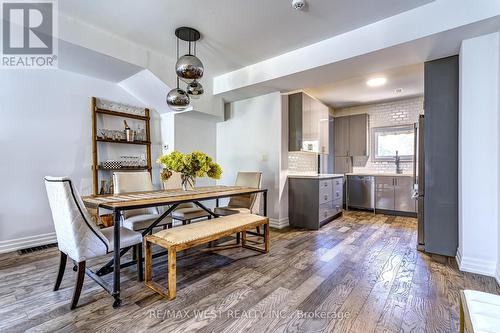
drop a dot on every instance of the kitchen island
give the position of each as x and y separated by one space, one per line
314 199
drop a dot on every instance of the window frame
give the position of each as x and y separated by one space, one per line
395 129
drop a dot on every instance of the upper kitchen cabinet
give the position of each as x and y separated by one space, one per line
341 136
308 124
351 135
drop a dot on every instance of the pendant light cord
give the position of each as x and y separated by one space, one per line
177 60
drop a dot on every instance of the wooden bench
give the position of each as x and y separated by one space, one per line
187 236
479 312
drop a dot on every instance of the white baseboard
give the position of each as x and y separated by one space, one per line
477 266
279 223
26 242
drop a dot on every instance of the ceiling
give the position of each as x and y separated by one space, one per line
355 91
81 60
235 33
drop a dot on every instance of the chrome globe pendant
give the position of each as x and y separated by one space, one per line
194 89
189 67
178 99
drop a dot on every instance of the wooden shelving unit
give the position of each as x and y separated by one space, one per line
95 139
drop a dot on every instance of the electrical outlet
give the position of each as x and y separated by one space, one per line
264 158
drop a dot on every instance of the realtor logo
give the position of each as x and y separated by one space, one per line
29 34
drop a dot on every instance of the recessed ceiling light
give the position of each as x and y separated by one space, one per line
376 82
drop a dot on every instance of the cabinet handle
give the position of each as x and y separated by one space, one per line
326 197
325 213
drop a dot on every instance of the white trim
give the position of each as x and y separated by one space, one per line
497 277
279 223
26 242
477 266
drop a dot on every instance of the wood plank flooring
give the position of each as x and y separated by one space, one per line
359 273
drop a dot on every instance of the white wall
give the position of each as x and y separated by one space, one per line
45 129
250 140
479 166
195 131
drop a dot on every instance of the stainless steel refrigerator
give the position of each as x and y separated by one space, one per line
419 180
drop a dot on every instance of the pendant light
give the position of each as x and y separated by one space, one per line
178 99
189 69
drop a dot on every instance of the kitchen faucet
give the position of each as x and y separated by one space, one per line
397 160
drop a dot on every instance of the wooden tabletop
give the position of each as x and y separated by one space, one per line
165 197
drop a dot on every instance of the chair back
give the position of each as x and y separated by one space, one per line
250 201
77 235
127 182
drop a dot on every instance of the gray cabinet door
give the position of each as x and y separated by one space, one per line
342 165
341 136
384 192
295 122
403 201
358 135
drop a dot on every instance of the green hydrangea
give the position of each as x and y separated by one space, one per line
195 164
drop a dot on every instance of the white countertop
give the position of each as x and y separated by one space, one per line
386 174
316 176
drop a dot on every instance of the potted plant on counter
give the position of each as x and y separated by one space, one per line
190 166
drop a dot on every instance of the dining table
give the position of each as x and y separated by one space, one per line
161 198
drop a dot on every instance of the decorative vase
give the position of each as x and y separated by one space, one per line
187 182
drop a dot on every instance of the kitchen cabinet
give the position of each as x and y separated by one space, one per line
342 165
358 135
351 135
403 201
384 193
314 201
308 124
394 194
341 137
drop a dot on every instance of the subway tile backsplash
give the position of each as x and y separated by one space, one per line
302 162
403 112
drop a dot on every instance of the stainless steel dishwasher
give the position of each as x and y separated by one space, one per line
360 192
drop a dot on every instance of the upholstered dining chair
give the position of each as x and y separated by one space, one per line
137 219
78 237
185 212
249 203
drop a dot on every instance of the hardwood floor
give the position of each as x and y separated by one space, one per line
359 273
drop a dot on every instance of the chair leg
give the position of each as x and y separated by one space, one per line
172 257
266 237
60 273
462 320
79 284
140 273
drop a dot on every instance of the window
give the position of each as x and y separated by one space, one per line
388 140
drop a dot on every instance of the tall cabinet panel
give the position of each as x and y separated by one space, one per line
341 136
295 122
441 156
358 128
